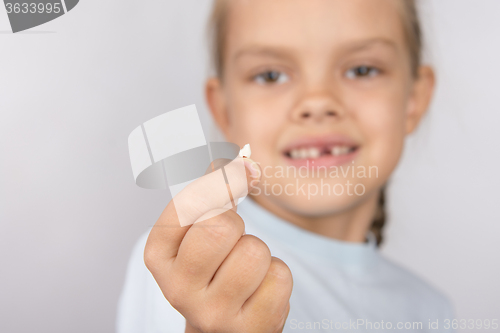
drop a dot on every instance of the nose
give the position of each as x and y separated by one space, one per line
317 107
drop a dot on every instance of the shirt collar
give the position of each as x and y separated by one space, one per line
304 241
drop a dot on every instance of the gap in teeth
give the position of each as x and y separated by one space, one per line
314 152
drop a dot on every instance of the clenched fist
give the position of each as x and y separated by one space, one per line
217 277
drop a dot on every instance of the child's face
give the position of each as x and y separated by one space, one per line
318 83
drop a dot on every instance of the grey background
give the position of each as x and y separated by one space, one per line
72 90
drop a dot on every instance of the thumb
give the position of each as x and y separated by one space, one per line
254 173
252 169
242 175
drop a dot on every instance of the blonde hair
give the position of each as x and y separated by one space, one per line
217 28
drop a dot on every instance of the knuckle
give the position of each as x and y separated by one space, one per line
210 326
150 257
254 247
210 322
174 297
175 291
225 226
280 271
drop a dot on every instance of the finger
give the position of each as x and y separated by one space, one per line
270 300
207 243
241 176
216 165
205 246
199 199
196 200
241 273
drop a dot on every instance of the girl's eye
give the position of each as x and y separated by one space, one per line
362 72
271 77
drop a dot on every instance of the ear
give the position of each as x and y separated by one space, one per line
217 103
423 89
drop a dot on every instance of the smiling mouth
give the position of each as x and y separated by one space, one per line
317 152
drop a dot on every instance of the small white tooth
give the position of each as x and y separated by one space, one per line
314 152
246 151
295 153
336 151
303 153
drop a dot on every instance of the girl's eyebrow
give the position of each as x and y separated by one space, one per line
350 47
260 50
367 43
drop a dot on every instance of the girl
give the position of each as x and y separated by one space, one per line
325 92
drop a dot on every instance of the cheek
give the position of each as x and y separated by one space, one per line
257 119
383 127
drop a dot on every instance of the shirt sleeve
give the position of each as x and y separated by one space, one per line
449 316
142 308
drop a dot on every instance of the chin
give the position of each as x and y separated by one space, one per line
320 205
315 197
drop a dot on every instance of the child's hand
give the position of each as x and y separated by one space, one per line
219 279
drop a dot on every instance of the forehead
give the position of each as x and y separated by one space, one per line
312 25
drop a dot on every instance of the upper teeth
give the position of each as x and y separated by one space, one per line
340 150
313 152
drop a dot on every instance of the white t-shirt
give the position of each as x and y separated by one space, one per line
338 286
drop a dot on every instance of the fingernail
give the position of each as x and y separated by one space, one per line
253 167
